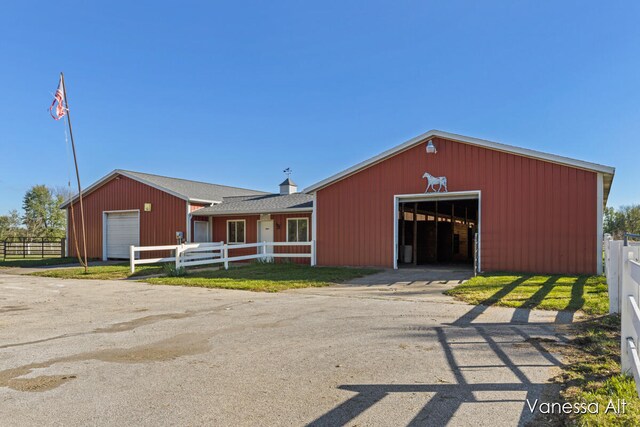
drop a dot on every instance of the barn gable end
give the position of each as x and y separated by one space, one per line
157 227
537 215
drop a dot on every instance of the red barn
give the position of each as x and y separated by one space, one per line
438 198
128 208
446 198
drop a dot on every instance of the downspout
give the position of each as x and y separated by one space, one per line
66 235
314 226
599 229
188 231
396 204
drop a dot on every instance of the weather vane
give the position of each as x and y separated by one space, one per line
288 172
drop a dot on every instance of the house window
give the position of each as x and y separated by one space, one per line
297 229
235 231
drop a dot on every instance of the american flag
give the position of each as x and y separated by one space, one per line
61 109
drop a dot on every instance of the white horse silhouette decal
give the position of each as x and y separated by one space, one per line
441 181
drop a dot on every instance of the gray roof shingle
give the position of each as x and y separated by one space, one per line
266 203
193 190
288 181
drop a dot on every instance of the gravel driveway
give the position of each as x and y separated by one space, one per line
378 352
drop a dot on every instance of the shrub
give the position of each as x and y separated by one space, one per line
171 271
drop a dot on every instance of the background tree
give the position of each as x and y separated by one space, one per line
624 220
42 214
11 225
62 191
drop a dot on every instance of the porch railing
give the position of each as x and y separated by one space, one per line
197 254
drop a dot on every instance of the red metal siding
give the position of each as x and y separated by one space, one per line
251 233
158 227
537 216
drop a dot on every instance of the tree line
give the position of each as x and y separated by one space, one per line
626 219
41 215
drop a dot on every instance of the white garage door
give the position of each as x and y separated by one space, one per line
122 231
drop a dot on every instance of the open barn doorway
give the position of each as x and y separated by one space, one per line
437 230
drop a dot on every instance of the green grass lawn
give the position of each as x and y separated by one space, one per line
591 362
36 262
573 293
102 272
266 277
591 373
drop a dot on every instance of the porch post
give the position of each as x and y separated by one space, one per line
132 262
437 224
402 230
415 233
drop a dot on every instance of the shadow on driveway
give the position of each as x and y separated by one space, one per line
512 341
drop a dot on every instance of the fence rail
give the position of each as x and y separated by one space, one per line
622 267
631 239
32 248
196 254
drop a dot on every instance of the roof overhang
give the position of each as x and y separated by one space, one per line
607 171
121 172
204 202
255 212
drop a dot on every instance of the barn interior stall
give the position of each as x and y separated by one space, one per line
437 232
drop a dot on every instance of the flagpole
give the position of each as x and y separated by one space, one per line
75 161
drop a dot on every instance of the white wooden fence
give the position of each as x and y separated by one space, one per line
622 265
195 254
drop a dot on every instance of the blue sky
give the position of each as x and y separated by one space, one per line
234 92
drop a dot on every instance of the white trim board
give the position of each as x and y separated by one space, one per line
594 167
314 229
457 195
599 222
421 197
188 230
235 213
